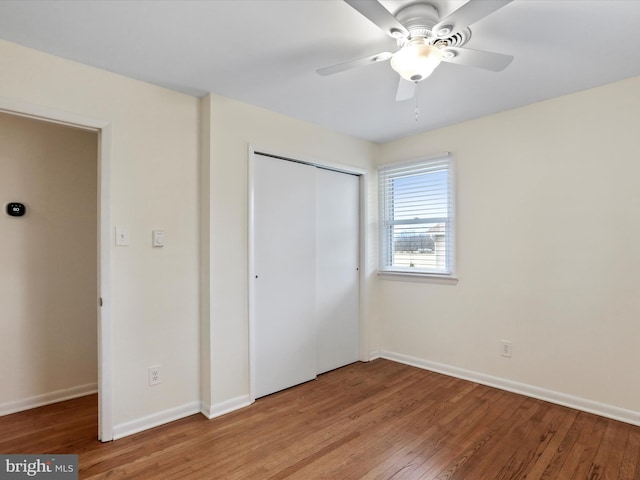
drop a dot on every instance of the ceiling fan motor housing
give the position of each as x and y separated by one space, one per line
419 19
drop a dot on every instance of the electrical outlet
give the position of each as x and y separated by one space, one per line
155 375
505 348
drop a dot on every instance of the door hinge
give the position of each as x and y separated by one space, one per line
100 301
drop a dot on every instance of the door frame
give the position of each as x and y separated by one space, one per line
363 182
105 330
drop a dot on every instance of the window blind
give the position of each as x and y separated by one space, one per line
416 216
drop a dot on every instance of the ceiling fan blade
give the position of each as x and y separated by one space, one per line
467 15
406 90
358 62
380 16
476 58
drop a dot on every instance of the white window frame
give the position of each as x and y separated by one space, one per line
386 221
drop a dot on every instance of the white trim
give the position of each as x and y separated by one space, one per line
417 277
559 398
39 112
374 354
252 273
48 398
228 406
105 336
105 326
363 268
155 420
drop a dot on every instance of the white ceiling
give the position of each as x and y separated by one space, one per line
265 52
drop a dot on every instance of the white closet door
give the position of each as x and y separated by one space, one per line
284 239
337 258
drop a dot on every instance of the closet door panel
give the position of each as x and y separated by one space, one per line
337 258
284 344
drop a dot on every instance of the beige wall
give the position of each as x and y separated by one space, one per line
48 260
230 128
154 184
548 198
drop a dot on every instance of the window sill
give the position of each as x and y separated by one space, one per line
417 277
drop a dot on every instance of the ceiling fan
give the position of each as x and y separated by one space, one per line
425 40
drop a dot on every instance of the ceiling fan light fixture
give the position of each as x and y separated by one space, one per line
416 60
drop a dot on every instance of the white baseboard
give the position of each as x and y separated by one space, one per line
48 398
172 414
586 405
375 354
228 406
155 420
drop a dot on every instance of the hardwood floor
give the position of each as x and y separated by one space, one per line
377 420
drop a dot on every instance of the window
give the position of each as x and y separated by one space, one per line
416 217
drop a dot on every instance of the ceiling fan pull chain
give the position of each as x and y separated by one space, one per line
417 110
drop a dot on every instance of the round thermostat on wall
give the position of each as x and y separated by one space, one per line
16 209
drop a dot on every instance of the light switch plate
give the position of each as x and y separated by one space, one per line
157 238
122 235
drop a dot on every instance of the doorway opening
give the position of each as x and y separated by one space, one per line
56 280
